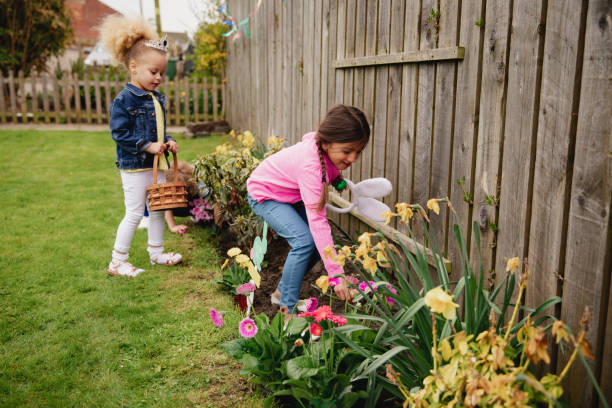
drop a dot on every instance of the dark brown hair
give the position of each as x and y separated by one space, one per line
341 124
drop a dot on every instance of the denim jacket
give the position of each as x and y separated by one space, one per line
133 127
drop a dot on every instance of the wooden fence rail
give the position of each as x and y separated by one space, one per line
43 98
503 106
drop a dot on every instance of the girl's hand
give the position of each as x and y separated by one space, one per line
156 148
178 229
172 146
343 292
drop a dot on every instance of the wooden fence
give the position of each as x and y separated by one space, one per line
47 99
501 105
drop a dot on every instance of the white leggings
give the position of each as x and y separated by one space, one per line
135 195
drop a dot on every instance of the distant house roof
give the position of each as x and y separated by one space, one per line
87 15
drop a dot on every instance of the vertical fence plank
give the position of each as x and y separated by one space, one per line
23 100
606 354
45 96
196 99
524 77
107 97
186 99
556 133
394 102
56 99
87 94
381 93
466 121
308 67
66 91
215 98
176 98
443 130
334 34
3 106
425 109
491 131
205 98
98 99
77 97
34 80
589 254
12 96
298 22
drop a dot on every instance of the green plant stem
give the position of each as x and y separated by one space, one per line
572 358
433 350
516 307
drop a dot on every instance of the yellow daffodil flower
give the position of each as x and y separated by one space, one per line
558 330
232 133
404 211
512 265
364 239
328 252
362 251
382 260
233 252
441 302
345 250
341 259
323 283
387 215
369 264
433 204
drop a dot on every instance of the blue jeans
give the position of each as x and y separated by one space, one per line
290 222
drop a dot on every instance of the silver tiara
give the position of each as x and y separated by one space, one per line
161 45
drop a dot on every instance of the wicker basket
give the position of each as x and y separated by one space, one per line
165 196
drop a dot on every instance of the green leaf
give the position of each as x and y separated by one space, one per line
382 360
301 367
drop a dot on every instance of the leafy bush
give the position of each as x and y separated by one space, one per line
226 172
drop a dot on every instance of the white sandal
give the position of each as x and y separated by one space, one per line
123 268
166 259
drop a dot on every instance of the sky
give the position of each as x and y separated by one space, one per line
176 15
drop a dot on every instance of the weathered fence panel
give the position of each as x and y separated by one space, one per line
45 98
501 105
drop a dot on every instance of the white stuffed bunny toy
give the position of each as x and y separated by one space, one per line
365 194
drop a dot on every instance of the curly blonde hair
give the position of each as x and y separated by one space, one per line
124 37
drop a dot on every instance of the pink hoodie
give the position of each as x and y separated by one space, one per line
294 174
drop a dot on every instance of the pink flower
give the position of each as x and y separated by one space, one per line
316 330
363 286
339 320
247 328
390 300
311 304
352 280
322 313
216 317
245 288
334 282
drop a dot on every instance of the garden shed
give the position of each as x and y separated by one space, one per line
502 106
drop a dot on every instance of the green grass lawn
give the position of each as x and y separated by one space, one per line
70 334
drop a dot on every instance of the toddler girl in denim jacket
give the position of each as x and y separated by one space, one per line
138 127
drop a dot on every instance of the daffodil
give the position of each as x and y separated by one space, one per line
535 349
362 251
433 204
248 140
364 239
382 260
558 330
387 215
328 252
345 250
404 211
232 133
441 302
369 264
233 252
512 265
341 259
323 283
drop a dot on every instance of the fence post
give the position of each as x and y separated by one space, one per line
22 99
205 98
34 80
66 97
215 89
45 94
187 99
107 97
87 94
196 101
77 97
56 99
2 103
98 99
12 96
177 102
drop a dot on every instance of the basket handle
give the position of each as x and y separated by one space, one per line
155 164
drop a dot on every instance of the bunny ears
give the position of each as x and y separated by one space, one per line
365 194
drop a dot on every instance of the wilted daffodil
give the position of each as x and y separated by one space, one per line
369 264
328 252
248 139
364 239
434 205
441 302
387 215
512 265
404 211
558 330
323 283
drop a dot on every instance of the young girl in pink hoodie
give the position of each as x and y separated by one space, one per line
288 190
